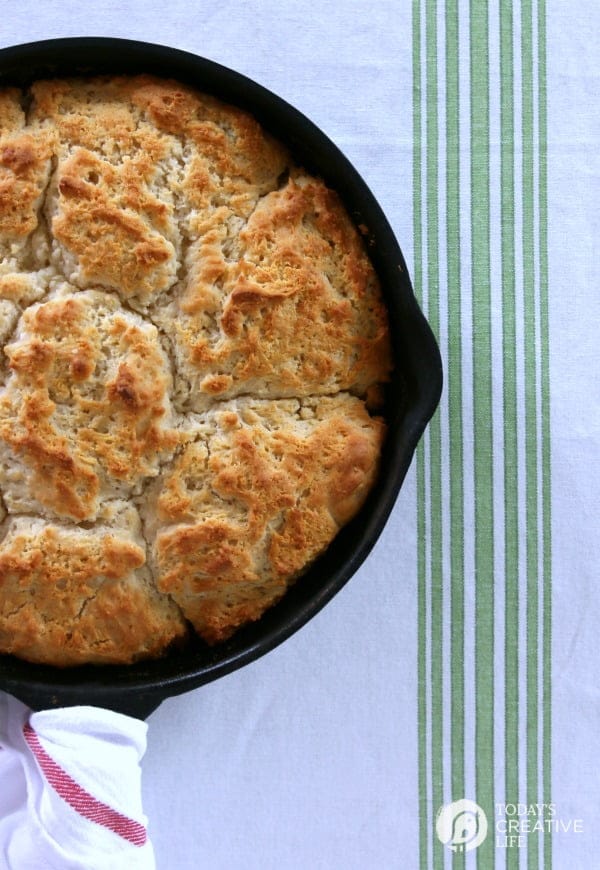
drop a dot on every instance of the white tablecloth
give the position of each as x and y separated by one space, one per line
318 755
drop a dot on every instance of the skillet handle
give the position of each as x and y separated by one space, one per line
91 759
138 705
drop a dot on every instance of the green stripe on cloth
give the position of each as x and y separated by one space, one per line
511 483
457 471
435 445
545 414
482 421
420 460
531 467
455 422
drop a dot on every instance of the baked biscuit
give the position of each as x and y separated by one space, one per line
254 499
110 205
17 291
72 595
291 308
194 344
25 163
85 414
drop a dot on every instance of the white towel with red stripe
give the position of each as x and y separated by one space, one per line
70 790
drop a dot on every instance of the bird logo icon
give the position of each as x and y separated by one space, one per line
461 825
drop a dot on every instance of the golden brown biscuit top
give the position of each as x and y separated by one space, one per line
260 492
286 305
12 116
85 414
193 336
72 596
25 163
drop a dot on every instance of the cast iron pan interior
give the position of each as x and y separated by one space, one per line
411 397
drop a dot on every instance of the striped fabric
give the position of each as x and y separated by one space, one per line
483 470
70 789
79 799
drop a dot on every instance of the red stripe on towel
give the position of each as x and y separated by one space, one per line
81 800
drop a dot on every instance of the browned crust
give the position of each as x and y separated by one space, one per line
86 410
297 312
67 598
272 499
25 155
190 325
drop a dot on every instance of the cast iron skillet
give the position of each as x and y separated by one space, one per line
411 399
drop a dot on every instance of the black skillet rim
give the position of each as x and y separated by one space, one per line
411 400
